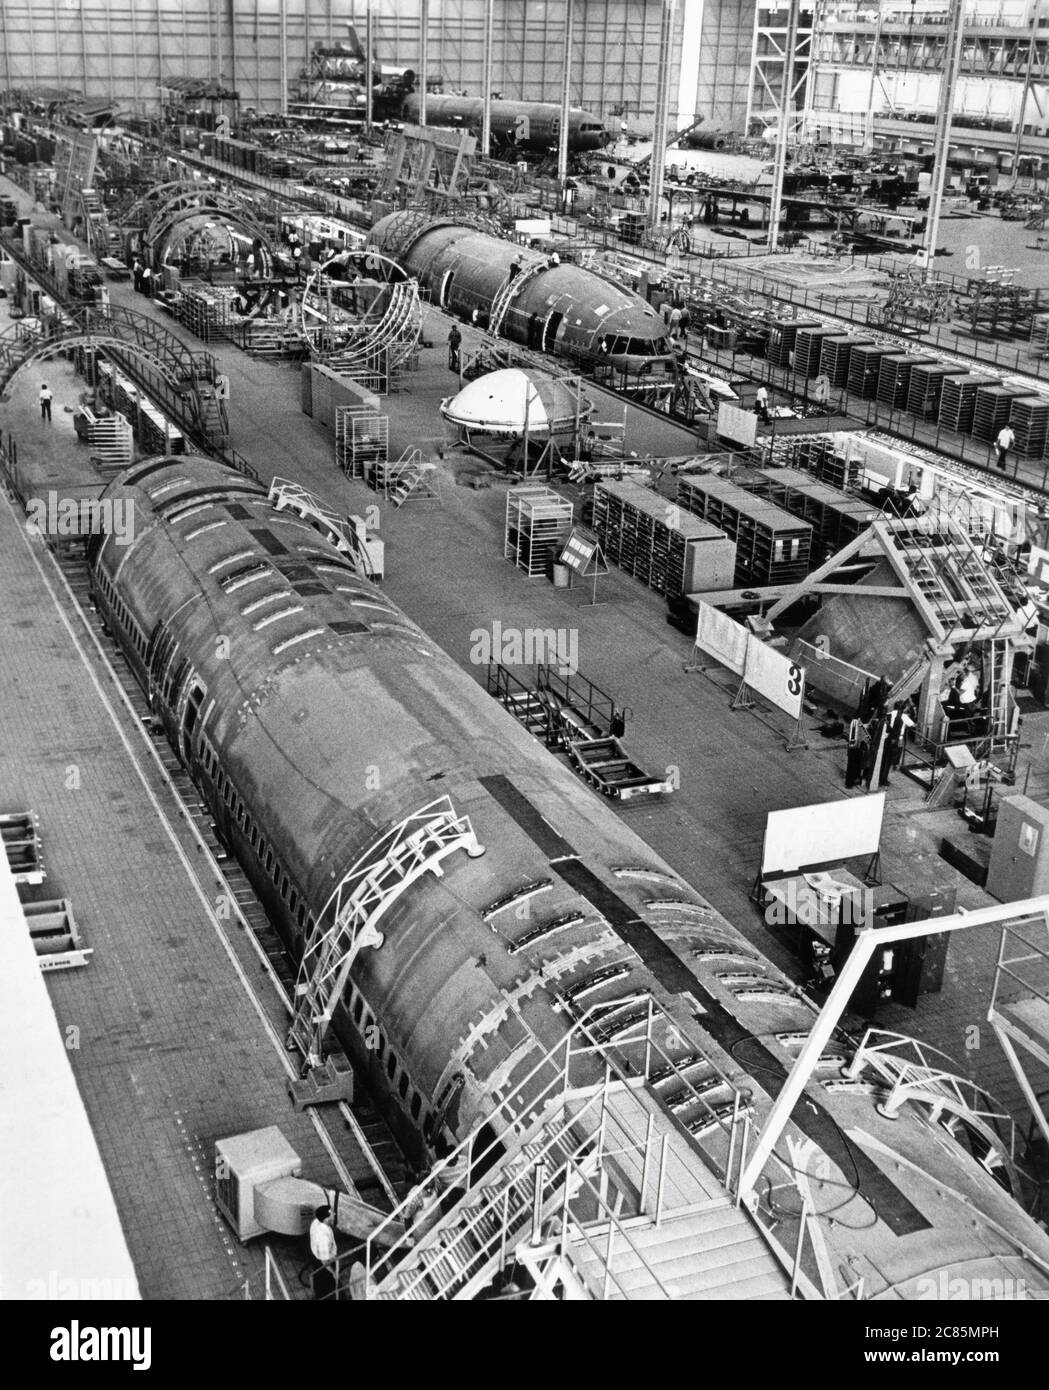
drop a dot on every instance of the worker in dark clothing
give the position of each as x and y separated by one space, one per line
514 271
857 740
455 339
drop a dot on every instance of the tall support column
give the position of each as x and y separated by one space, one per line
657 163
868 128
283 16
786 121
1026 93
566 100
486 80
369 70
941 140
424 55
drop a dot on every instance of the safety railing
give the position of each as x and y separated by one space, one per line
637 1053
922 1076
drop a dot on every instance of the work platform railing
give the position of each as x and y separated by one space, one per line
1019 1010
916 1072
552 1130
612 1098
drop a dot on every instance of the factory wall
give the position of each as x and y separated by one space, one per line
726 41
120 48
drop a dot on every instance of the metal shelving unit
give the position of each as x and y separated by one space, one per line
538 523
772 547
649 538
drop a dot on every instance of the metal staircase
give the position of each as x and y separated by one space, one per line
507 292
593 1185
285 494
410 476
348 922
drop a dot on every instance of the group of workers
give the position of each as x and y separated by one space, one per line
876 737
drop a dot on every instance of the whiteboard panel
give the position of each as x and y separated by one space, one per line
822 834
741 426
774 675
721 637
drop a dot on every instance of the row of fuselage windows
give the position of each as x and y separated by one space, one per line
120 612
362 1016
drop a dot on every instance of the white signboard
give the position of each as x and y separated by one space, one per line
773 675
741 426
722 637
828 833
533 226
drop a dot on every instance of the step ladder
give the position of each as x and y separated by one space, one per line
410 476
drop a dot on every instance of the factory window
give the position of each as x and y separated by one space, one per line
391 1065
402 1085
416 1105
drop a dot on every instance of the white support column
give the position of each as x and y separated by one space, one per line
566 101
369 70
424 55
657 163
868 940
941 144
283 16
486 80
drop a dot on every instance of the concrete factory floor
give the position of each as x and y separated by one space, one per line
445 567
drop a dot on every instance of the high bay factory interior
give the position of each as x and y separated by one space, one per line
525 612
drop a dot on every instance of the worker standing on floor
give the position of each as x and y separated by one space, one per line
761 402
1003 443
455 339
45 402
325 1251
857 740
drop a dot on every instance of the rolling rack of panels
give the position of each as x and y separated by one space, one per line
362 440
808 346
835 517
835 356
1029 418
154 431
538 523
894 378
645 535
958 400
825 457
783 337
926 388
864 369
991 410
772 547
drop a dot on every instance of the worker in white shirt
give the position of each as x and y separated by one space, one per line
325 1251
761 401
45 402
1003 444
